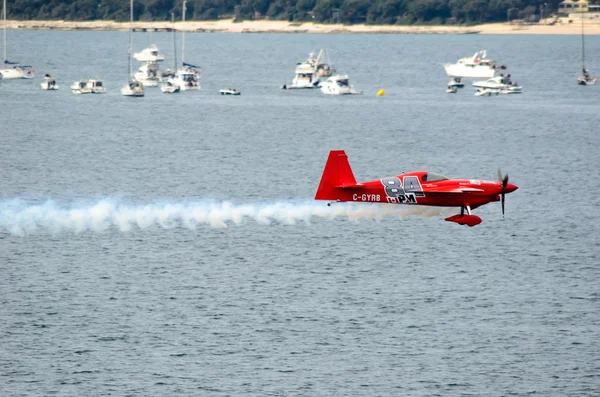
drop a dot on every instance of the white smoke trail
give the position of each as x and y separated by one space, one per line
20 218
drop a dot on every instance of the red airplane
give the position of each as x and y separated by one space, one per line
414 188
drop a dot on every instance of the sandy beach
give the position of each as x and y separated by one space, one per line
562 26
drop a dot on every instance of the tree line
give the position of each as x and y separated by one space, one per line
435 12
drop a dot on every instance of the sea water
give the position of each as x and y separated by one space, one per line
170 244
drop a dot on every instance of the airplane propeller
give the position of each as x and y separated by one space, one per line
504 180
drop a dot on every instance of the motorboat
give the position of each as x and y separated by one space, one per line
501 83
49 83
456 82
150 54
515 89
310 72
452 90
96 86
148 74
80 87
168 87
88 87
338 85
476 66
187 78
13 70
229 91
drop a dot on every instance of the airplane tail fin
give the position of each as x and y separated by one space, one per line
336 175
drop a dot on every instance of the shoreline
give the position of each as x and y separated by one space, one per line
562 27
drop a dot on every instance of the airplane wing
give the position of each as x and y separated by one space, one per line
452 189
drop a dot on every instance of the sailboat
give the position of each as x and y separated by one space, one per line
187 77
12 70
167 85
584 78
134 87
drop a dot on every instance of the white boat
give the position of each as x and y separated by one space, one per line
584 78
338 85
486 92
229 91
168 87
80 87
147 74
452 90
12 70
133 88
88 87
310 72
501 83
166 84
49 83
456 82
150 54
476 66
187 78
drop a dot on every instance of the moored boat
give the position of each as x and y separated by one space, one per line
476 66
13 70
503 84
338 85
229 91
88 87
150 54
49 83
168 87
310 72
133 88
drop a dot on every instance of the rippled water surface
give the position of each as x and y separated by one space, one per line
169 245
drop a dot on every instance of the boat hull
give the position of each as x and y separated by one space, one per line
17 73
472 72
300 87
49 87
583 81
169 89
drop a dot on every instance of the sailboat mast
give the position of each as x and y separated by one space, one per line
582 45
4 47
182 34
130 38
174 47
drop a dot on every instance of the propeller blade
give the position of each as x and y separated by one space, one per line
504 180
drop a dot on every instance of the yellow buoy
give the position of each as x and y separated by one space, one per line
380 92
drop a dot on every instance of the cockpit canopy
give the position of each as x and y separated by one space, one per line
433 177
